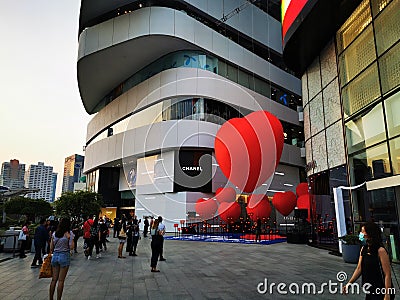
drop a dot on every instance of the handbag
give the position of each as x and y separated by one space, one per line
122 233
22 236
46 271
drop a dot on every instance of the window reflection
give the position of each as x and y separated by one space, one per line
366 130
395 155
371 163
199 60
392 109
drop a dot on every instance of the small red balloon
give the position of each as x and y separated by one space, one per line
284 202
229 211
302 189
261 209
206 208
225 194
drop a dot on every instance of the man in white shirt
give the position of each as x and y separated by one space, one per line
161 231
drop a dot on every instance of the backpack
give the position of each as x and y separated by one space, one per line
94 232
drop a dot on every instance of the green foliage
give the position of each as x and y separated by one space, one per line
30 207
351 239
78 204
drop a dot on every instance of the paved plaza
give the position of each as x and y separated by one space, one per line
193 270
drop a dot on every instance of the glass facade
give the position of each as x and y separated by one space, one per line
368 47
200 60
365 103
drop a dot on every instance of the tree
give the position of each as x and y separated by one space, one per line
32 208
77 204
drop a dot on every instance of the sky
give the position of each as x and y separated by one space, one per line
42 118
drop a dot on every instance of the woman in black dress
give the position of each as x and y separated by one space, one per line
373 265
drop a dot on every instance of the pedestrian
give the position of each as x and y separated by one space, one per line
95 238
146 226
23 237
103 235
88 245
76 229
373 264
155 245
40 239
60 246
161 230
129 234
135 239
116 227
122 237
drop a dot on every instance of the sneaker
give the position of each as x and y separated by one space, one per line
98 256
34 266
89 257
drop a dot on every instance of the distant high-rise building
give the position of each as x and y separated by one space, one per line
54 184
12 174
73 167
41 177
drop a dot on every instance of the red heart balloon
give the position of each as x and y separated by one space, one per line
229 210
302 189
249 149
206 208
261 209
284 202
225 195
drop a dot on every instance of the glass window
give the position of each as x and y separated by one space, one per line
366 130
358 56
354 25
392 109
232 73
387 27
389 65
372 163
378 6
395 155
363 90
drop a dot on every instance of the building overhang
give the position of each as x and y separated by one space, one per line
311 30
102 71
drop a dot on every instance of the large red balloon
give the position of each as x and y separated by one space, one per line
284 202
249 149
225 194
262 209
302 189
206 208
229 210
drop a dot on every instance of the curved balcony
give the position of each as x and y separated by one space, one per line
114 50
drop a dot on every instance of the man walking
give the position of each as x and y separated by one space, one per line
161 230
40 239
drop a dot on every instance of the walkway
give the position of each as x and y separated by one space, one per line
193 270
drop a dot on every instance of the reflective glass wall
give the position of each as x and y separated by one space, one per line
368 48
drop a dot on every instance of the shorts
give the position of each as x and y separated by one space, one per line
122 241
62 259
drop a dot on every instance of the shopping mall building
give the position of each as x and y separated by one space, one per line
348 56
160 78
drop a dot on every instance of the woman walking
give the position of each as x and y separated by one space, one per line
60 246
373 264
